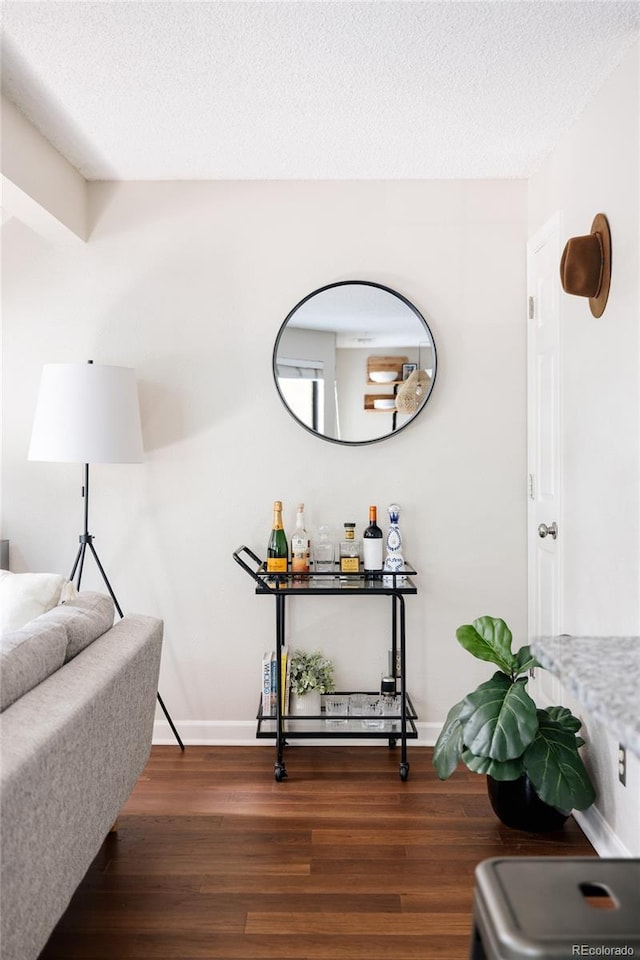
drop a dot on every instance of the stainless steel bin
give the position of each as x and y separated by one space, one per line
552 908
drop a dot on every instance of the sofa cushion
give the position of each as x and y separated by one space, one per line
84 619
28 656
25 596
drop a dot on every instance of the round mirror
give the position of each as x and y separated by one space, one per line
354 362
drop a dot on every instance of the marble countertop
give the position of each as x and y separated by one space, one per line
603 673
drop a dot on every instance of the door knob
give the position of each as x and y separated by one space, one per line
548 531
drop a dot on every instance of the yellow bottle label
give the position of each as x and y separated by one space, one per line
276 564
350 564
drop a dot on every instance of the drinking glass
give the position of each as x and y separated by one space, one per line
372 712
336 708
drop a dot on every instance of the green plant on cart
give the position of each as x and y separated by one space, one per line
498 730
311 671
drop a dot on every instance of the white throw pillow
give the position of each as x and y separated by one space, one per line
25 596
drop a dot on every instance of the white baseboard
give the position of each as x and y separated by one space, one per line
599 833
208 733
428 733
242 733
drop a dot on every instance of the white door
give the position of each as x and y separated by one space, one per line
544 420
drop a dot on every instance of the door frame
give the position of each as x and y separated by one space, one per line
549 232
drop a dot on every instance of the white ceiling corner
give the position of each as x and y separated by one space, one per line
325 89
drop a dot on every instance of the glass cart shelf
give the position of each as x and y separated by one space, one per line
299 726
397 727
333 583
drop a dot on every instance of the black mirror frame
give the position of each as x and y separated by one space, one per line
344 283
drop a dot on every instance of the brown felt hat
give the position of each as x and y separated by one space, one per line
585 267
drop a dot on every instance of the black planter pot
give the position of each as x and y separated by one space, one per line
517 805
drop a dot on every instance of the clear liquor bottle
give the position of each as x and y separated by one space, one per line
300 547
394 560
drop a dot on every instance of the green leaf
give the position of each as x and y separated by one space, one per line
499 719
555 768
448 748
489 639
563 717
498 769
524 660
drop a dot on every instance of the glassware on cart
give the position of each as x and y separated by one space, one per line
372 713
323 552
336 708
391 705
356 701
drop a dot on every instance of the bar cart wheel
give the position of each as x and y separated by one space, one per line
404 771
392 742
280 772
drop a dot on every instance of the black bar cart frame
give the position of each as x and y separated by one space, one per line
283 726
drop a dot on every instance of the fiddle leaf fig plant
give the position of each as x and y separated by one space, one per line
497 729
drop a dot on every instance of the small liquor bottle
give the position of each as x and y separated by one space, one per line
349 551
300 547
394 560
277 550
372 546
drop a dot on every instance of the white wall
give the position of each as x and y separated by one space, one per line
189 283
595 169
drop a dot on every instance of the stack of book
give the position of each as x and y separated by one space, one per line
269 682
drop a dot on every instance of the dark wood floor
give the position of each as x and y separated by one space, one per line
342 861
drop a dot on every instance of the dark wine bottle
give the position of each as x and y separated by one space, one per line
372 545
277 549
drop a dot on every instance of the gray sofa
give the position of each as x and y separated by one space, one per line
78 696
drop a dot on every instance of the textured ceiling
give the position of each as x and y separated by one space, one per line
309 90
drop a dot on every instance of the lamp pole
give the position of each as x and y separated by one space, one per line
86 540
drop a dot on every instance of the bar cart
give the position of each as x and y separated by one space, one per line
393 726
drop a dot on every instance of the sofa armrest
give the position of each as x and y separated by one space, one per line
72 750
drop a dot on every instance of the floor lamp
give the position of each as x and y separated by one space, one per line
88 413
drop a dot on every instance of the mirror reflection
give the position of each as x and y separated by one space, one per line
354 362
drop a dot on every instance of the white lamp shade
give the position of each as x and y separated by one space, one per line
87 413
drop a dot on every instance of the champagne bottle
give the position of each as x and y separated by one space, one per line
300 547
372 544
277 550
